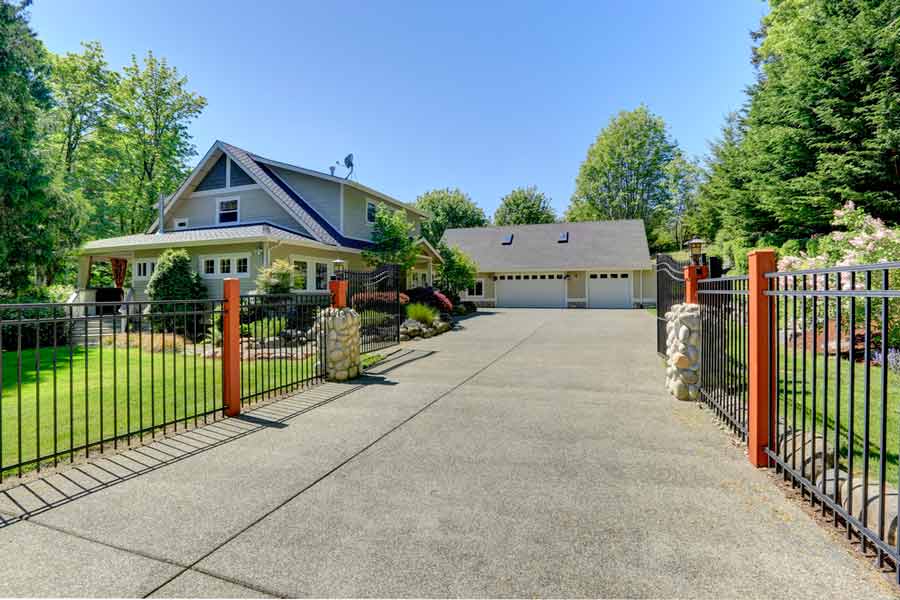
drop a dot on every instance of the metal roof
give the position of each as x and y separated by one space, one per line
590 245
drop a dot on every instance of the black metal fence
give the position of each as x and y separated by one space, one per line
724 348
282 344
80 378
834 417
375 295
669 291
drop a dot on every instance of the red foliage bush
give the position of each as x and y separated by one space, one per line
431 297
375 300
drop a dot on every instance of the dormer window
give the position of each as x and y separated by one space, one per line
228 210
563 238
507 240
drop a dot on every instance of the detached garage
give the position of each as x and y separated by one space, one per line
597 264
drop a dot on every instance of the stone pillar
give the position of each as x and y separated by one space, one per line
342 343
683 351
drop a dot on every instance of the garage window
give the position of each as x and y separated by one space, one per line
518 277
624 275
593 276
614 275
603 276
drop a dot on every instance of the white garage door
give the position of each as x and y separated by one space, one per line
609 290
531 290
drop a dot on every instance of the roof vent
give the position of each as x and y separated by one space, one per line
507 241
563 238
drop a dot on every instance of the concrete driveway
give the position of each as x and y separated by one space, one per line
530 453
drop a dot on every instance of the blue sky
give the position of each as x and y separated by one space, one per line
484 96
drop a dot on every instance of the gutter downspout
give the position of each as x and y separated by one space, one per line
161 227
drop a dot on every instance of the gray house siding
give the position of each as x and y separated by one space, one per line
355 224
215 179
253 206
323 196
238 176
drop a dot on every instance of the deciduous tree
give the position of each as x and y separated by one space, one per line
392 239
524 206
449 208
624 175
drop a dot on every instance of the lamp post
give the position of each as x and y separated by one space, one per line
695 247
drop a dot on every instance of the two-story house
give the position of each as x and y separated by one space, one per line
237 212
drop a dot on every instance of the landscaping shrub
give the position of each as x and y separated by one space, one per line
276 278
266 327
375 318
361 301
422 313
431 297
174 279
32 332
470 307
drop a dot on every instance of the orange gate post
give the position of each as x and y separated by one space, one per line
692 276
231 352
761 358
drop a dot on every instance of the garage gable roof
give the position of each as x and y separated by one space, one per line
590 245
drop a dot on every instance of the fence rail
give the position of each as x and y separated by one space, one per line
833 421
375 295
74 382
282 345
724 344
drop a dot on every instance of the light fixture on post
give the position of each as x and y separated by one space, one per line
338 285
695 248
340 266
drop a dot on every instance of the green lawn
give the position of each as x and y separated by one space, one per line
107 390
827 412
838 414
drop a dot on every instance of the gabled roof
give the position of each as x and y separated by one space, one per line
590 245
430 249
258 169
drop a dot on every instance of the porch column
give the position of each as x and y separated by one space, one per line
430 274
84 271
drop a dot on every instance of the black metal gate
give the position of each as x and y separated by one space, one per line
669 291
375 295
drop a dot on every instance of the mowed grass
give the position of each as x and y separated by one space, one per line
832 389
836 409
102 392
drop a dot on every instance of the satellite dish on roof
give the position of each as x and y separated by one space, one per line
348 162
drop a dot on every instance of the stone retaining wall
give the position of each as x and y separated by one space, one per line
683 351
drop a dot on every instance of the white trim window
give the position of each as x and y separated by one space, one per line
371 211
143 269
228 210
225 265
477 290
311 274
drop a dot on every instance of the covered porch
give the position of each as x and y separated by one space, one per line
422 273
99 287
